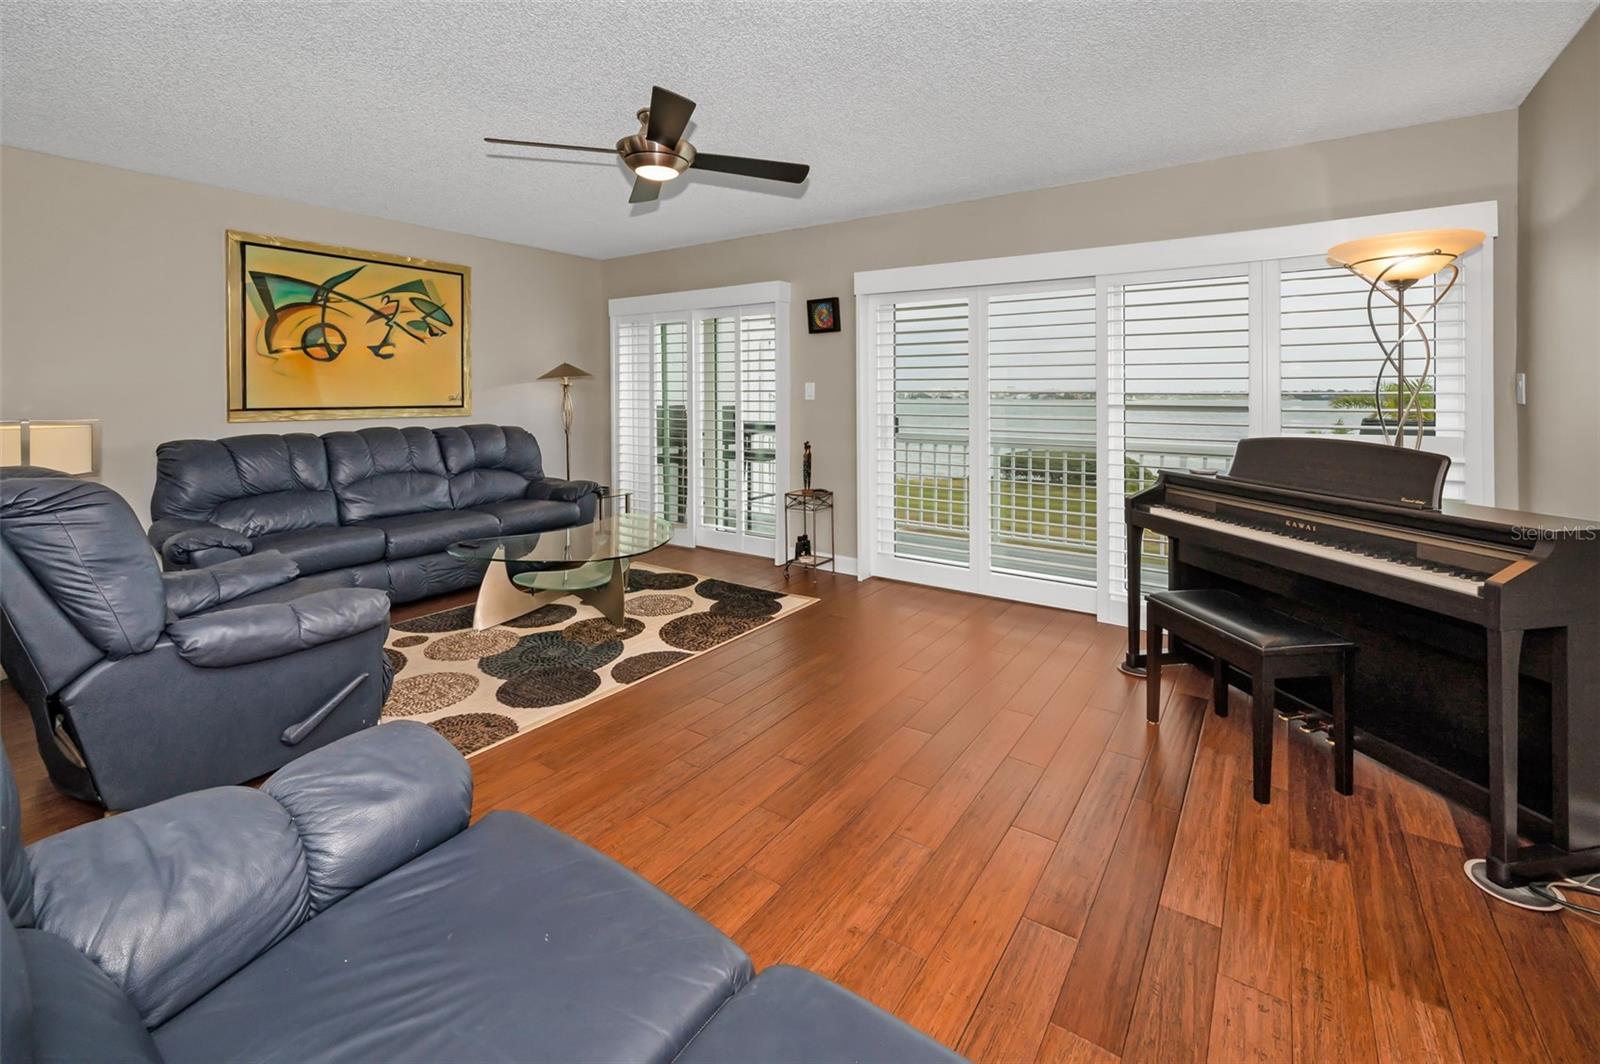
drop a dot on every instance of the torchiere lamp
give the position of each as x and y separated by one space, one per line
1391 265
566 373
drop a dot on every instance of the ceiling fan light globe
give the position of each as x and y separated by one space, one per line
655 172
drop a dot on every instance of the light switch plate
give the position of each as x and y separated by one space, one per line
1522 389
811 389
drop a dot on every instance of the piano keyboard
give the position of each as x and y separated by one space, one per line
1413 570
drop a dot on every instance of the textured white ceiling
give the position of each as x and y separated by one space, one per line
379 107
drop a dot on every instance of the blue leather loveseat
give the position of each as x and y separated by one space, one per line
346 912
383 504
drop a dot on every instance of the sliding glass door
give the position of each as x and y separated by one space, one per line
984 442
737 356
699 422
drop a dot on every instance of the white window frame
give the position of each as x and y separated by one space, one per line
692 307
1260 250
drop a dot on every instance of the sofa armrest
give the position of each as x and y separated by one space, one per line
368 804
179 541
171 899
255 633
561 490
195 590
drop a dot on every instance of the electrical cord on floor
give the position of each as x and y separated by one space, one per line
1556 894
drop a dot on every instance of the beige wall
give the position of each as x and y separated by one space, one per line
1460 161
111 307
1559 282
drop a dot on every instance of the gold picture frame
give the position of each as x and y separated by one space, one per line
320 332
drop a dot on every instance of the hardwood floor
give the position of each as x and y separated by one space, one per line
952 805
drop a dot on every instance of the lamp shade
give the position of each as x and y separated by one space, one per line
70 446
565 371
1407 257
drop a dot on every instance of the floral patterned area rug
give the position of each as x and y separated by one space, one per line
479 689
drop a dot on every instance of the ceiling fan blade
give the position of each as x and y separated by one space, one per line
669 116
794 173
645 191
547 144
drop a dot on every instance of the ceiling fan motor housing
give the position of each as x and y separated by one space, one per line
639 150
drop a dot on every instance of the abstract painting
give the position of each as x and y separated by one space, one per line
822 315
320 332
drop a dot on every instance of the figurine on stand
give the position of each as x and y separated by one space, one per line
805 466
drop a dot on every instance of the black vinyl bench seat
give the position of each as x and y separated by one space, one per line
1269 646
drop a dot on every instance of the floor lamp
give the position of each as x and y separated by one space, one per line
1391 265
566 373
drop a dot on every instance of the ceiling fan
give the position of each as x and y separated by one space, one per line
658 153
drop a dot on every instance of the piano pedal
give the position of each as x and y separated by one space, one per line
1292 716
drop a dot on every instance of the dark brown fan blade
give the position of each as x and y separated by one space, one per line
794 173
546 144
644 191
669 116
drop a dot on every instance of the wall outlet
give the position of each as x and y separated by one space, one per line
1522 389
811 390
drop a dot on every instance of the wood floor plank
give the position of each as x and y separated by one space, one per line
1172 1014
1197 878
1330 1012
702 873
947 989
950 795
1068 886
919 917
1061 1046
1102 985
1010 1020
1491 1016
882 971
1255 908
731 905
842 926
1248 1026
1066 774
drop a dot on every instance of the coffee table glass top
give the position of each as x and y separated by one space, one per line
608 538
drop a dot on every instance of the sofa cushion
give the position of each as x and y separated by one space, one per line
789 1014
488 463
517 516
77 1011
412 535
509 942
317 550
381 472
255 484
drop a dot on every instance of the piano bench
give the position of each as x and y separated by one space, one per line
1269 646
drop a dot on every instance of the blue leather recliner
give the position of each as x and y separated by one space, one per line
382 504
346 912
143 685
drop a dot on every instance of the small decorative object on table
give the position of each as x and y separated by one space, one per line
808 503
805 466
822 315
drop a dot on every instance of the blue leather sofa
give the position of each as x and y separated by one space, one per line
143 685
346 912
382 503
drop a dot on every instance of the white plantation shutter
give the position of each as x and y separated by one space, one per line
739 429
1041 381
1178 384
652 415
921 427
635 459
758 402
1329 362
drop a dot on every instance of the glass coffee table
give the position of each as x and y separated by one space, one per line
589 561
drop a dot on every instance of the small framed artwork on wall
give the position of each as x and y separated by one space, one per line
822 315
